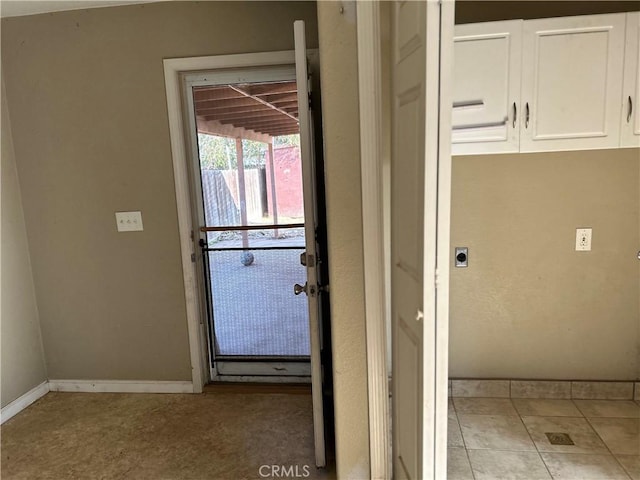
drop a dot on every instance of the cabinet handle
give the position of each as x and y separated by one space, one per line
629 109
526 116
515 114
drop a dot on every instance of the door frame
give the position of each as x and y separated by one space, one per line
370 104
444 253
371 155
173 69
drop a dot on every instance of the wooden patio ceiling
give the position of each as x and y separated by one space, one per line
264 108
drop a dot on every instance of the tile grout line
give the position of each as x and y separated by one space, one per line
571 391
464 444
624 470
578 408
532 441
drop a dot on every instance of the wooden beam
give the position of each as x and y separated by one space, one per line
242 193
248 122
262 101
235 111
262 115
271 178
242 116
230 102
292 128
279 133
280 97
278 103
216 93
269 88
290 107
262 132
241 120
213 127
213 107
258 134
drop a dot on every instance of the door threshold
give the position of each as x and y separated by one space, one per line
257 388
259 379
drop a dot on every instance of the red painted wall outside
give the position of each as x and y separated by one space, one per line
288 177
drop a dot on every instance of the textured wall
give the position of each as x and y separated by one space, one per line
529 305
22 360
86 94
339 76
544 310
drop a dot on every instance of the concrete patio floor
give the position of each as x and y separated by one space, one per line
255 309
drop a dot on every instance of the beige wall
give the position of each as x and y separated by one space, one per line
22 360
339 77
529 305
86 90
86 94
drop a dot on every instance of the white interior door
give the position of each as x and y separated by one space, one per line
311 287
419 212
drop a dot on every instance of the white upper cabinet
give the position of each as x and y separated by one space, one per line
572 82
630 129
486 92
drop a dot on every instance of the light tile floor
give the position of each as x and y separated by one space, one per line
498 438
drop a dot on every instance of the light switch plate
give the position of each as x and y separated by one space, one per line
583 239
129 221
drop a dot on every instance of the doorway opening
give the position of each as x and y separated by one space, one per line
250 196
184 77
259 223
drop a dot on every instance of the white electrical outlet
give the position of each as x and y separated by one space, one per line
583 239
129 221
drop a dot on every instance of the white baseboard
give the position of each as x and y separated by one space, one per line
23 402
120 386
97 386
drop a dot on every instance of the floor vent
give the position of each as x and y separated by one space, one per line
556 438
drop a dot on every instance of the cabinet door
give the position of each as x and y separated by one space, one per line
486 92
630 135
571 82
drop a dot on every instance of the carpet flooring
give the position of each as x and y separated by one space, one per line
213 436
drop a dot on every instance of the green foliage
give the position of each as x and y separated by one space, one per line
286 141
219 153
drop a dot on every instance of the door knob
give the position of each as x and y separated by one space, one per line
298 289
